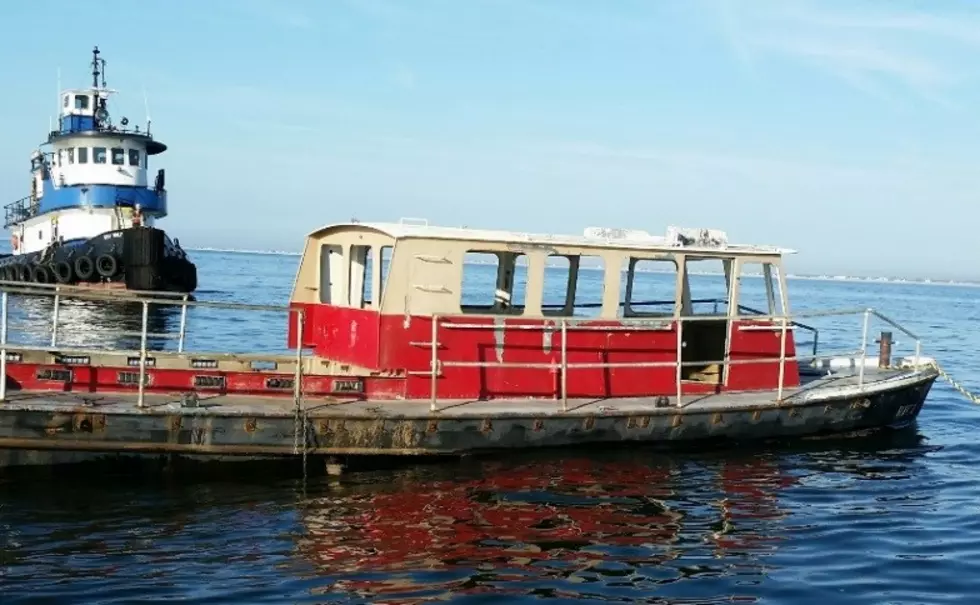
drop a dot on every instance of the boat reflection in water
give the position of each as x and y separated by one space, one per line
512 529
88 323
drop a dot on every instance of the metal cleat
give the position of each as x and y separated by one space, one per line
190 400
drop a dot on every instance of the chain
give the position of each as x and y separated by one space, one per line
959 387
306 446
296 414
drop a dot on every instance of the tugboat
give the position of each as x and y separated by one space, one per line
90 217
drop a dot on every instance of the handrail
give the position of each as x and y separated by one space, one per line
146 300
130 296
632 324
17 211
566 325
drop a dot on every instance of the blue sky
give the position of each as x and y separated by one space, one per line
847 130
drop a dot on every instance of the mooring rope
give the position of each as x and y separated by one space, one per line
956 385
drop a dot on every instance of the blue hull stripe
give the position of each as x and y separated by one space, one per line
103 196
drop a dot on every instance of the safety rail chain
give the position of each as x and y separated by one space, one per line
146 299
654 324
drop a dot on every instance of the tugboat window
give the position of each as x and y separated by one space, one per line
66 101
71 155
99 153
118 156
83 155
134 157
81 101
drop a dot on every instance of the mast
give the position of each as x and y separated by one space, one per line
96 64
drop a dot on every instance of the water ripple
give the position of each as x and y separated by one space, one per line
893 519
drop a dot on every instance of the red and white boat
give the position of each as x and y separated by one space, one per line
403 346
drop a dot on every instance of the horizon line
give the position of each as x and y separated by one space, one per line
880 279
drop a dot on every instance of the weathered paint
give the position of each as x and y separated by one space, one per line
257 428
404 346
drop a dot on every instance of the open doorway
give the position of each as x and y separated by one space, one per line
706 297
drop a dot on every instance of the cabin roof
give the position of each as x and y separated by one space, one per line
698 240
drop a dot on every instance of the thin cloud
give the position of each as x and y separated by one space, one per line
927 55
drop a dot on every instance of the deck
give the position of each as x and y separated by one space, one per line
254 425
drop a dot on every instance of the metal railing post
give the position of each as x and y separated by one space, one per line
298 377
434 363
3 346
146 316
564 365
782 358
864 345
918 351
680 357
54 318
183 325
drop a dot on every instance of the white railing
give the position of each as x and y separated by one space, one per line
146 300
664 324
565 325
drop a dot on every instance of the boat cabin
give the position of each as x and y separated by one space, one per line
419 311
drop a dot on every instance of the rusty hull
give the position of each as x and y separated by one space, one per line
242 426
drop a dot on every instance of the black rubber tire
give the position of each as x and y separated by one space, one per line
84 268
40 274
23 272
106 265
62 272
8 274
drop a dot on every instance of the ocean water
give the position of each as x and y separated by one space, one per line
892 519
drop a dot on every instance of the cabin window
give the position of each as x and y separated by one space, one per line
65 103
359 276
649 287
98 155
573 286
386 252
707 286
118 156
71 155
83 155
331 274
758 289
493 282
134 157
81 101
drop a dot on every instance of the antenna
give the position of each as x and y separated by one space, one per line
146 106
96 63
58 99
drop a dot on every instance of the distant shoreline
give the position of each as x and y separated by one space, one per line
836 278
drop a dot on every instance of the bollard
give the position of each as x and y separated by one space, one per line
885 350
